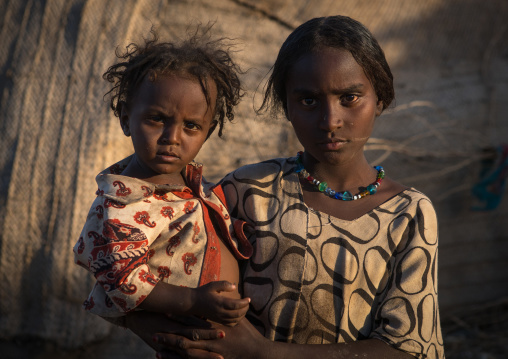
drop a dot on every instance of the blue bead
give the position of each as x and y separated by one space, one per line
347 196
371 188
299 168
338 195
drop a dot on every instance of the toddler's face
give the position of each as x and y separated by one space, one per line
168 121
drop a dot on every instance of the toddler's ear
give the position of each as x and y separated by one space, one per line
124 118
212 128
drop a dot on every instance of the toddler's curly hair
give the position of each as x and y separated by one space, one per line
199 56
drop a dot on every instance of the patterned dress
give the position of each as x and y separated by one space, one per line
318 279
138 233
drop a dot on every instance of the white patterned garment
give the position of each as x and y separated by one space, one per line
317 279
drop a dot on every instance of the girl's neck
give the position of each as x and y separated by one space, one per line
346 176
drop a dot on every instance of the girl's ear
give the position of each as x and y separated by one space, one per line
379 108
285 107
124 118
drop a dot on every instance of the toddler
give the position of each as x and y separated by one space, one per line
158 237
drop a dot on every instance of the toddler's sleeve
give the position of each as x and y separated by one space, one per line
114 246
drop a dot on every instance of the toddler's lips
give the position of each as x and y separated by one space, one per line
168 156
167 153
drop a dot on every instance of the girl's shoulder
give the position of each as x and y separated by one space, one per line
393 189
410 201
263 171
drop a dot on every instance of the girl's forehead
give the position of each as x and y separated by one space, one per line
327 57
325 52
330 69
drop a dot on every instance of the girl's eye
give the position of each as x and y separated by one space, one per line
308 102
156 118
349 98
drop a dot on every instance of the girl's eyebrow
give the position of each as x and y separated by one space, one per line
303 90
352 88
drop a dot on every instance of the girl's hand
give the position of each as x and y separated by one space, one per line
146 324
209 303
242 341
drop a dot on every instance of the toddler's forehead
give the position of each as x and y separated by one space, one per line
204 80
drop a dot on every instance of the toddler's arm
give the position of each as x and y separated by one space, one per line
205 301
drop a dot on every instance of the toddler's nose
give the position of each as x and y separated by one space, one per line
171 135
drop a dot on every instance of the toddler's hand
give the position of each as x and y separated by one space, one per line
210 304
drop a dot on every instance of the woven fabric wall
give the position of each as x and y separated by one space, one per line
449 58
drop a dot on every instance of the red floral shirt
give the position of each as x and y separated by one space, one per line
138 233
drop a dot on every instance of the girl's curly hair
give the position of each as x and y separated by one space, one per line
198 56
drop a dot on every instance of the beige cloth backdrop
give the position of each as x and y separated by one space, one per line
449 57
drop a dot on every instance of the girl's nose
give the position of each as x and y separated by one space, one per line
332 118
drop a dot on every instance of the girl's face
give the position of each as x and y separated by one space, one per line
331 105
168 121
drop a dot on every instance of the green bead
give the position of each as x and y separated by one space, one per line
322 186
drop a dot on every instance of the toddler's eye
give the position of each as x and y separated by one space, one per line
191 126
308 102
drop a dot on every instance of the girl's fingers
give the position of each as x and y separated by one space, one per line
191 321
188 338
193 353
233 315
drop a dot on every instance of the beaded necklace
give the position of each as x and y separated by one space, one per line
346 195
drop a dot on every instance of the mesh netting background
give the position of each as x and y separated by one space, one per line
449 59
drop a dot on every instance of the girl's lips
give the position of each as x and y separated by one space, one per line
332 146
